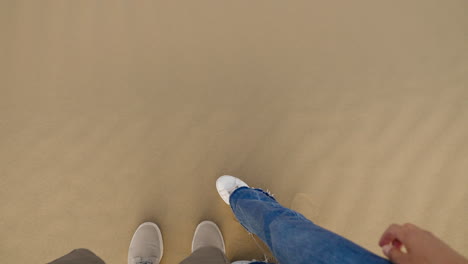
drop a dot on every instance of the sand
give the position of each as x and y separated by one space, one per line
112 113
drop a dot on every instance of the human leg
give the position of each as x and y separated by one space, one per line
79 256
290 236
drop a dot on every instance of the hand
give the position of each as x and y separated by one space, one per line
409 244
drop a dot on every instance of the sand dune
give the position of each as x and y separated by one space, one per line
113 113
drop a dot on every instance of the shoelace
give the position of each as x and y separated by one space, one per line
144 262
140 260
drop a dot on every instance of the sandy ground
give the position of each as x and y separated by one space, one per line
113 113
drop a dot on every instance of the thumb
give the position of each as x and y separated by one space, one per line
394 254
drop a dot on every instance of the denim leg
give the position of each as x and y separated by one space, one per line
291 237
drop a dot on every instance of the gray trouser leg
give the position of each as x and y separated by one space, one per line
206 255
79 256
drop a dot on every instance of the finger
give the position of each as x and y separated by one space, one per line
393 232
397 244
410 226
396 256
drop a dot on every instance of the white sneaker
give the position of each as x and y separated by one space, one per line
226 185
146 246
241 262
208 234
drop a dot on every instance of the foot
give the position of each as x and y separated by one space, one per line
146 246
242 262
226 185
208 234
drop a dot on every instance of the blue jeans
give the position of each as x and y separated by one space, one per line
291 237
